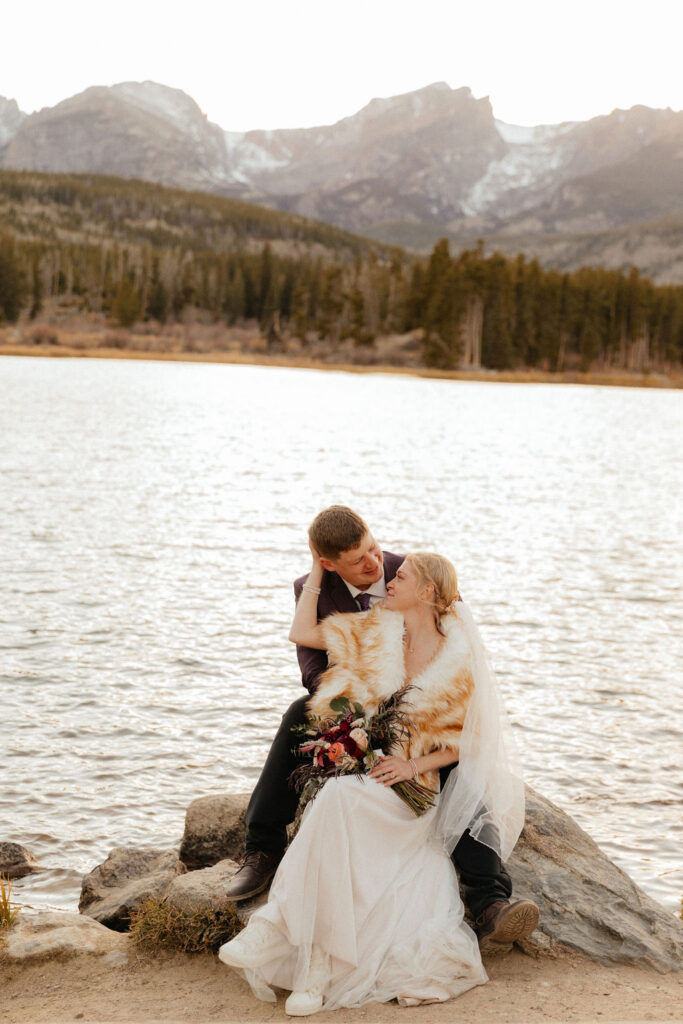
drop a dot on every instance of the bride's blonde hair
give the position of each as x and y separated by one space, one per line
438 571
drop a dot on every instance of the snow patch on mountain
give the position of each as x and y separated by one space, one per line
519 134
246 157
534 155
232 141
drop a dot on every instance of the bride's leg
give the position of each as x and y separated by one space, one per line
302 1003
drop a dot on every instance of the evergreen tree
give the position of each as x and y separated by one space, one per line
234 303
12 282
158 301
37 289
127 306
497 349
524 331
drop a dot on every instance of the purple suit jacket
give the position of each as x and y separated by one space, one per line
334 597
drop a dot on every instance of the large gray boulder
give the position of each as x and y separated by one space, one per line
113 890
587 903
59 932
214 830
16 861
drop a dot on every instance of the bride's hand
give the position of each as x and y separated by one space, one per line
314 552
391 770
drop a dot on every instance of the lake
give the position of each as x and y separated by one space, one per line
154 515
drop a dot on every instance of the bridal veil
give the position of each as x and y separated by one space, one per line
485 793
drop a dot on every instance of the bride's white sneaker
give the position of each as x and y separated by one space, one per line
302 1004
254 946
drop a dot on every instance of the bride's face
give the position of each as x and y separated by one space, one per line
403 590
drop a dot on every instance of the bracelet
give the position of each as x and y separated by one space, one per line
313 590
411 762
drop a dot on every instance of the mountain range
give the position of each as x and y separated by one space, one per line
405 170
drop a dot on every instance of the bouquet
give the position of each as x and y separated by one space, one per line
350 745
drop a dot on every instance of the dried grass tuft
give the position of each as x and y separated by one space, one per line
8 910
157 925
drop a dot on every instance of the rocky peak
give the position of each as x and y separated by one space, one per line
171 105
10 119
436 141
611 138
433 104
134 129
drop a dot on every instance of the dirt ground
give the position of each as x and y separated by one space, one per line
176 988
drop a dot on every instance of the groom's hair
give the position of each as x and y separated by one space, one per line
336 529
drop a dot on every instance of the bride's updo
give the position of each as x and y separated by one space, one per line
438 571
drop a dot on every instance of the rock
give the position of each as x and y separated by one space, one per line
113 890
55 932
204 889
16 861
214 830
587 903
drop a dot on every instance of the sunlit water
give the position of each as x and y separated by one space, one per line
154 515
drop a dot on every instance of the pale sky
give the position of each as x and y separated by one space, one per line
298 63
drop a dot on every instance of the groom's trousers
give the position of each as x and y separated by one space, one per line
273 805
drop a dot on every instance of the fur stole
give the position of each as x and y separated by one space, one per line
366 665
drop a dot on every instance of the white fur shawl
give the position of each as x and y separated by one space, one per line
366 665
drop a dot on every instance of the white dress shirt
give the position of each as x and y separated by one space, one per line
377 591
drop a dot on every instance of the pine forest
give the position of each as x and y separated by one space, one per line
137 252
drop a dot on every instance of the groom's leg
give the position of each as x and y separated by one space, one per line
271 808
487 888
273 803
482 874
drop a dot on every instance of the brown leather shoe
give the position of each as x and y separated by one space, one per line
507 922
253 877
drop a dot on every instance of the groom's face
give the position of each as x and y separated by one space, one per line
361 566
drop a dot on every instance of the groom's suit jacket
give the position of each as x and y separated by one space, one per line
334 597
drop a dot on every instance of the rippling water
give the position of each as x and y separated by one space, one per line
154 515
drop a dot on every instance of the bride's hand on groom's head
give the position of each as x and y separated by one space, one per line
314 552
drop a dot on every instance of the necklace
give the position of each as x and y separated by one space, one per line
409 649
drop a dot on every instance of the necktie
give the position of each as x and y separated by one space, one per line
363 601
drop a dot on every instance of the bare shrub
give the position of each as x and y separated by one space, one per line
157 925
115 339
41 336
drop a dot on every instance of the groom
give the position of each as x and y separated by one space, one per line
356 575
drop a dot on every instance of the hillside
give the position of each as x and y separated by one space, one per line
84 207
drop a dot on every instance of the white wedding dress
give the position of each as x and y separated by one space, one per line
370 885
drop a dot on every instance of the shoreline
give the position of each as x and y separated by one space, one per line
613 378
173 988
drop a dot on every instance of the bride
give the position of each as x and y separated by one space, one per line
365 904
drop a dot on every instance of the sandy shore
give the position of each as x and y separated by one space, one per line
176 988
611 378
